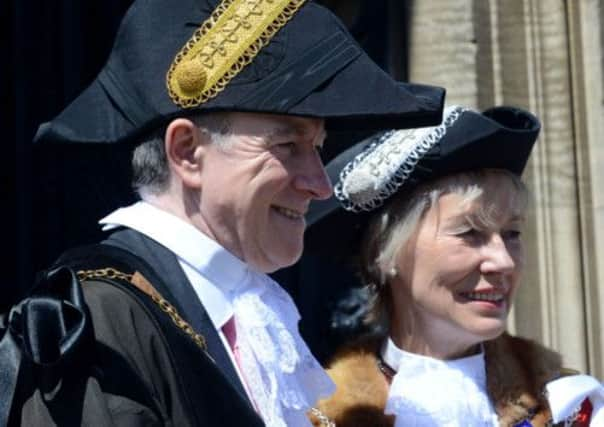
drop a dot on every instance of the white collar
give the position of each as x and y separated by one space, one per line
193 247
216 274
471 366
431 392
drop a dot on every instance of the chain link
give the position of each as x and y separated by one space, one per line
164 305
106 273
169 309
323 419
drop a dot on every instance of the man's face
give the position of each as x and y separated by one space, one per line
257 185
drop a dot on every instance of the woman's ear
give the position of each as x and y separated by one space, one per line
185 146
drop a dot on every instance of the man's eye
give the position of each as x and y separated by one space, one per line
511 234
290 145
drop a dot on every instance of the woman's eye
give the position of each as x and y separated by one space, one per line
472 235
469 232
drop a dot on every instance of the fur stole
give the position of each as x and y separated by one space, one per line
517 371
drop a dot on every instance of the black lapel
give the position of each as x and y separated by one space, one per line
176 286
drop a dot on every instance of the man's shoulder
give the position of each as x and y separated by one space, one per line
140 340
135 321
120 312
101 256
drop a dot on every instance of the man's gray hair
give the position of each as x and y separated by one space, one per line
150 170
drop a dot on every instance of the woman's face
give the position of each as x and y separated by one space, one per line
458 274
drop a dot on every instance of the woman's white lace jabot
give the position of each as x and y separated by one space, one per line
284 377
428 392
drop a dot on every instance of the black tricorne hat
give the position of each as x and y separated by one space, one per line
175 58
370 172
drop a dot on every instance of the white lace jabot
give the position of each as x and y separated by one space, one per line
285 379
428 392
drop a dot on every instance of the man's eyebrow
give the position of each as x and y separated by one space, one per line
288 130
285 130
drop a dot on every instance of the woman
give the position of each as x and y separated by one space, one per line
442 211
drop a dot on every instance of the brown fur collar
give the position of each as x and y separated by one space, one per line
517 370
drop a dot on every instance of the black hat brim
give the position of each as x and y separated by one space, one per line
312 67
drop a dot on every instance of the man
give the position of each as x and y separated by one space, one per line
227 106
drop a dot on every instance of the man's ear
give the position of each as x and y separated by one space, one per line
184 145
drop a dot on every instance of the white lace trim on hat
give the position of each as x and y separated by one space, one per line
380 170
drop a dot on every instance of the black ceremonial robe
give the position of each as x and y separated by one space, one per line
139 368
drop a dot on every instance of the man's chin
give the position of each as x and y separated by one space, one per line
285 258
275 260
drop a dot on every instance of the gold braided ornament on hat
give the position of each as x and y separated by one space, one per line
224 44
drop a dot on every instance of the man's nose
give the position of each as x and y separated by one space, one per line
313 178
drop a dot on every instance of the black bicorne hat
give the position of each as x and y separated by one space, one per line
175 58
370 172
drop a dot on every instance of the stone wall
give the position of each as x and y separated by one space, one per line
546 56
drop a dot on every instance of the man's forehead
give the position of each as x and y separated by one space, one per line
277 125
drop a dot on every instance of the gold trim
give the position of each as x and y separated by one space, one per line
225 43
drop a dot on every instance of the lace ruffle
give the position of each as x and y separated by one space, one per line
429 393
285 378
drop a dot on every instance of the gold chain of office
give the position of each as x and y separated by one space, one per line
114 274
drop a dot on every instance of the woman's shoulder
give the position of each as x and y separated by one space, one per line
356 364
518 370
523 357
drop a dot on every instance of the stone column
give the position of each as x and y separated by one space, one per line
586 59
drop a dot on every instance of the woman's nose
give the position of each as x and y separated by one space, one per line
497 256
